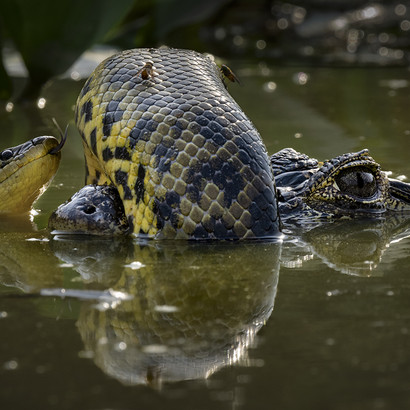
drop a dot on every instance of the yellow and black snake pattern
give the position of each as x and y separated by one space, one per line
159 125
26 171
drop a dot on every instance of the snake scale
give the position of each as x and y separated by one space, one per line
159 125
26 171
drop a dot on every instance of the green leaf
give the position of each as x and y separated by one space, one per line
52 34
170 14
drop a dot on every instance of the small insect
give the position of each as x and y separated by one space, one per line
229 74
148 71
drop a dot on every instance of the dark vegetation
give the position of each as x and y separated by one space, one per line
50 35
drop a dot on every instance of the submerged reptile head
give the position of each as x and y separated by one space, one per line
348 185
25 172
97 209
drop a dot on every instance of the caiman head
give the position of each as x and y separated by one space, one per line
352 184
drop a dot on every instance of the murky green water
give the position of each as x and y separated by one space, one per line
320 321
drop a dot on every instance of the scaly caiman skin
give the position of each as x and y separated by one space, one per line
351 184
159 125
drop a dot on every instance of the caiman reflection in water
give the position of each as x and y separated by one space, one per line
159 312
354 247
183 310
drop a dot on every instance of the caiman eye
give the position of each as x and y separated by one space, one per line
357 181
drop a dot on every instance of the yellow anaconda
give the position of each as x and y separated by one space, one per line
159 125
25 172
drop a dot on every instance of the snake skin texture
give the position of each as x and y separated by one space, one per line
26 171
160 126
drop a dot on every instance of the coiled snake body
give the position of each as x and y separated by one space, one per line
159 125
170 154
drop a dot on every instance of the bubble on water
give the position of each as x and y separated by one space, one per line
335 292
75 75
155 349
166 309
66 265
398 54
120 347
395 83
283 24
238 41
301 78
308 51
383 51
102 340
261 44
103 306
135 265
405 25
11 365
264 69
369 12
38 240
220 33
400 9
41 103
384 37
269 87
298 15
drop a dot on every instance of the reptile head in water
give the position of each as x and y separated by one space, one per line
348 185
25 172
170 154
